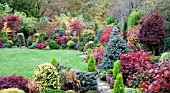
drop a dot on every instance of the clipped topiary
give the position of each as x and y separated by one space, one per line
54 61
54 45
11 90
47 76
118 85
91 63
116 69
134 18
115 46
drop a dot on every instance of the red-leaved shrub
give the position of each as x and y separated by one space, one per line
41 45
153 32
75 28
14 82
99 53
63 40
159 79
133 65
105 37
13 22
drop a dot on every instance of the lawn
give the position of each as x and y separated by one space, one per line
24 61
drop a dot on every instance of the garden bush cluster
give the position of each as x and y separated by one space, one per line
136 56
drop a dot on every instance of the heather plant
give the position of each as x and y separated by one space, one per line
91 63
115 46
14 82
104 39
54 45
153 32
165 57
41 45
116 69
63 40
13 22
134 18
47 76
118 85
75 28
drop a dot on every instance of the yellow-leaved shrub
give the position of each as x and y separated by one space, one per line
47 77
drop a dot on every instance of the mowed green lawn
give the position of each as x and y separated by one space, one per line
24 61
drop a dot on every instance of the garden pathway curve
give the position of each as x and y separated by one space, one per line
103 87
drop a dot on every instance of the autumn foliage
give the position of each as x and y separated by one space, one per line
75 28
13 22
105 37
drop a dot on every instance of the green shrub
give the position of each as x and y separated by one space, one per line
88 46
88 81
88 35
110 71
55 91
91 63
11 90
28 23
47 76
22 39
116 69
115 46
134 18
10 42
110 20
167 44
54 45
133 90
71 44
118 85
63 26
155 59
165 57
54 61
